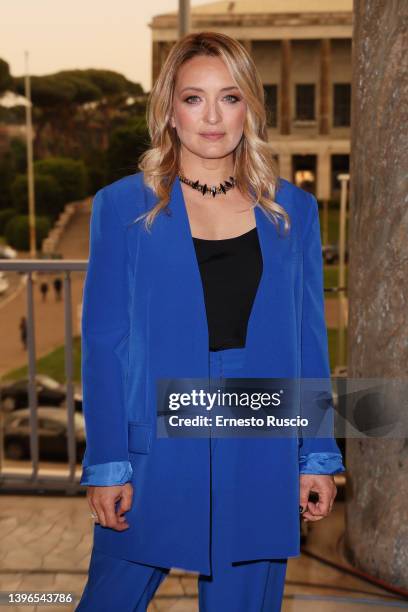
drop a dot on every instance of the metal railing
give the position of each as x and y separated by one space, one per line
33 479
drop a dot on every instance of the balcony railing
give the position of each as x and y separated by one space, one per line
34 478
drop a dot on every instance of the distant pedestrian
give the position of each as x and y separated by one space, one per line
23 331
57 288
44 290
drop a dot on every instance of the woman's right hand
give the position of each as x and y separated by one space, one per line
102 502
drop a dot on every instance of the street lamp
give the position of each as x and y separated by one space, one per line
30 171
183 18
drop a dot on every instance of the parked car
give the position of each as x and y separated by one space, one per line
49 393
52 434
4 282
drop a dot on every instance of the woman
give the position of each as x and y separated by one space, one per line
191 276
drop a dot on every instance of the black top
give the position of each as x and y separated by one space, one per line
230 270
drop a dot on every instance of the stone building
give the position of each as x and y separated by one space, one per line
303 53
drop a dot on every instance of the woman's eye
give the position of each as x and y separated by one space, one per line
189 98
234 98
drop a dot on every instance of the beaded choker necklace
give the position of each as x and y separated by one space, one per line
214 190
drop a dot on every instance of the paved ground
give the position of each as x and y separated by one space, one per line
45 544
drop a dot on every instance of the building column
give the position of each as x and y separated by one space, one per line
285 84
324 105
323 189
156 60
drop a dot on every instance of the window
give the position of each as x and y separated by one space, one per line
342 104
339 165
304 171
271 104
305 102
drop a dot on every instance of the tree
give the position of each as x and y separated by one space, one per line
6 80
126 145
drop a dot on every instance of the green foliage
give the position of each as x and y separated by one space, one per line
331 274
126 145
49 199
12 162
69 87
5 215
111 83
6 79
13 115
16 231
333 343
18 153
95 162
70 174
47 91
6 177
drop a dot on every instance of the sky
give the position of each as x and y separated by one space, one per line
81 34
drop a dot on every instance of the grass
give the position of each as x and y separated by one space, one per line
53 364
333 225
333 346
331 274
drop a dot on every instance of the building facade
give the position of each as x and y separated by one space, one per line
303 54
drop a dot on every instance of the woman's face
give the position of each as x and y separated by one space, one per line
207 100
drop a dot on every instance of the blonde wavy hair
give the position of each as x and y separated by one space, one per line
255 168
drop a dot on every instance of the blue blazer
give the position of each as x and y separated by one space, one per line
144 318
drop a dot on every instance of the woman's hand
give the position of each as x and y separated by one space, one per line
102 502
324 485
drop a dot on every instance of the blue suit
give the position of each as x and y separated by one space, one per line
144 319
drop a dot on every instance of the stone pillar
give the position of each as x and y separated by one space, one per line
323 187
156 60
376 538
323 190
285 84
324 102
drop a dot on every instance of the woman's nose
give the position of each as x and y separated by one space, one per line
212 113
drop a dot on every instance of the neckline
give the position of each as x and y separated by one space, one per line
225 239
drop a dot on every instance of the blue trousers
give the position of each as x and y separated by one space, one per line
253 586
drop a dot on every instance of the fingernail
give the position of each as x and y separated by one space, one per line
301 509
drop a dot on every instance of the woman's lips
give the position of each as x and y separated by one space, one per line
212 136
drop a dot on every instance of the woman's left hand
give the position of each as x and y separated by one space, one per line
324 485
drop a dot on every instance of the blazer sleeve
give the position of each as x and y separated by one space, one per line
317 455
104 325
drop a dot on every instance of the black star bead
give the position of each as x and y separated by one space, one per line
205 189
222 188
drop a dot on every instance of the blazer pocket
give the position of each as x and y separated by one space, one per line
140 437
